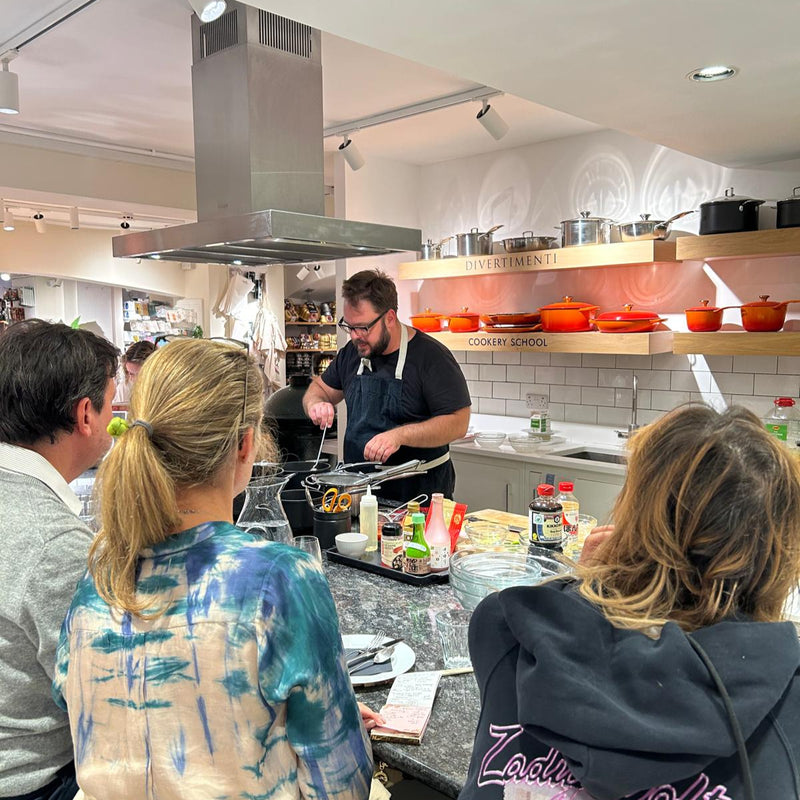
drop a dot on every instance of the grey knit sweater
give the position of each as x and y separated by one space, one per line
43 550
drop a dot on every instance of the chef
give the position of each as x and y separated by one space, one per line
405 394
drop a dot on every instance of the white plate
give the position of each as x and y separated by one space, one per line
544 440
403 659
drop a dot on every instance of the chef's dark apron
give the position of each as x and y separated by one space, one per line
374 405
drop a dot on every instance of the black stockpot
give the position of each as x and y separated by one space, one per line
729 214
789 210
296 435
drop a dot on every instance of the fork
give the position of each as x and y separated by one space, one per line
374 642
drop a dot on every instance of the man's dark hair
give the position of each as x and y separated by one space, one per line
139 352
372 285
45 369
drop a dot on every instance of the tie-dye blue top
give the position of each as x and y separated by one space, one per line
238 690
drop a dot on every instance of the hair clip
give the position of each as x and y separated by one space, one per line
117 426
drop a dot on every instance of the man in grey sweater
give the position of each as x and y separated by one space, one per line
56 388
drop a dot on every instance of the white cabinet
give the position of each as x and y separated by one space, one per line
488 480
483 482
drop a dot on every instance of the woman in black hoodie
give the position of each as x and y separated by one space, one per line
662 671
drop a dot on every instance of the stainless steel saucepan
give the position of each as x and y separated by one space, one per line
646 228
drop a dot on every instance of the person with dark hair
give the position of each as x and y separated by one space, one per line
664 668
56 386
406 396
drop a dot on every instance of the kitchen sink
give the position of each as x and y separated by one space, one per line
603 456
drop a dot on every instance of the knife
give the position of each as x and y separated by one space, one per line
368 654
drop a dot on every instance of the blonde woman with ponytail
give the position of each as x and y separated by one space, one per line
197 660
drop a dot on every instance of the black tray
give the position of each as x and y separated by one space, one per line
371 562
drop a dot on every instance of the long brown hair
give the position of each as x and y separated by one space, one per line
199 397
707 525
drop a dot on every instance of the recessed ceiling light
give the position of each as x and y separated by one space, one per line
4 276
718 72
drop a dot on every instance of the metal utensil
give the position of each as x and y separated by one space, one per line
381 657
369 653
321 442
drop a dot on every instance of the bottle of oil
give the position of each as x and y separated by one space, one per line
545 525
408 525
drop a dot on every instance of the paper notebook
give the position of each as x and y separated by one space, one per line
408 708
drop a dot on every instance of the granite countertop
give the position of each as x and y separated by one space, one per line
367 603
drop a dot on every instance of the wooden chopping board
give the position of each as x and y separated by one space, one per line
500 518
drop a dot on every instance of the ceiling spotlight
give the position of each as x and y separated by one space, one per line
74 223
8 219
492 121
303 273
126 221
319 273
39 223
4 276
237 262
352 155
9 90
208 10
718 72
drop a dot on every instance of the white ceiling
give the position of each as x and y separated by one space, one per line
118 71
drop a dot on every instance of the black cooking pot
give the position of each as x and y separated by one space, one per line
729 214
297 436
299 511
298 470
789 210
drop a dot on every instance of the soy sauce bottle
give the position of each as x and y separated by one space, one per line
545 524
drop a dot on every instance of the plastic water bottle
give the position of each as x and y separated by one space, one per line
783 422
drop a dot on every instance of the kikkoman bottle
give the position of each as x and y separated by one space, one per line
417 553
545 526
783 422
408 525
437 535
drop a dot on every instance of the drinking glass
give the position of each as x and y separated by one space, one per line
453 626
310 545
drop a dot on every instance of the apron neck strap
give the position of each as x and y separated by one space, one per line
401 358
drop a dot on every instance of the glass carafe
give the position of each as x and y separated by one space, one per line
262 513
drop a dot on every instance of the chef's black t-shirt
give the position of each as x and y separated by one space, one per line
433 383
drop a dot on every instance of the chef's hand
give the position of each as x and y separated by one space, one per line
598 535
369 717
380 447
321 414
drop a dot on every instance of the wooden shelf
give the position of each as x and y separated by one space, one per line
594 342
309 350
750 244
592 255
321 324
738 343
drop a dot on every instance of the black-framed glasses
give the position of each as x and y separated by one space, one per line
361 330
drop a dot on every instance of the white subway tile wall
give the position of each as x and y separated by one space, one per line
598 388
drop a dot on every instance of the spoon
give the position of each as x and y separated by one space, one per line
381 657
321 442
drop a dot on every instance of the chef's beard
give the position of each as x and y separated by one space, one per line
366 350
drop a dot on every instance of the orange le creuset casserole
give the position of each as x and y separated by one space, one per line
764 315
464 322
568 316
627 321
427 321
705 318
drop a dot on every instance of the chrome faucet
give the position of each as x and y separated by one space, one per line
633 426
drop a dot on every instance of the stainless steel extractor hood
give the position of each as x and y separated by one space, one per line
257 96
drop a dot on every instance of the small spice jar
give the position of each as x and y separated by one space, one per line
392 545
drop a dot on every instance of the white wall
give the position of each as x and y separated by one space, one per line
610 174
